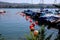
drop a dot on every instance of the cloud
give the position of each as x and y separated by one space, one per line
32 1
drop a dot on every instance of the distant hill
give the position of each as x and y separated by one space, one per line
57 5
24 5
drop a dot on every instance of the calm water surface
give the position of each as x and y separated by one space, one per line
14 27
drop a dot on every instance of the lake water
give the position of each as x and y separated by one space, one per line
14 27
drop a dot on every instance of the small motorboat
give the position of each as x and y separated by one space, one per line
2 11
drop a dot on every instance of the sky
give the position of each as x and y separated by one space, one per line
32 1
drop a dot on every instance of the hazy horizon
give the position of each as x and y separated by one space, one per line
32 1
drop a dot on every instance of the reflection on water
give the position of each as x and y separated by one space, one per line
14 27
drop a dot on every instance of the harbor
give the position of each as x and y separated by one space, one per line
30 20
19 27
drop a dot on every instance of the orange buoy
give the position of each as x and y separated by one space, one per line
35 32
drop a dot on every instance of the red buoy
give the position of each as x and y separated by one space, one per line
30 20
27 18
36 22
31 28
33 24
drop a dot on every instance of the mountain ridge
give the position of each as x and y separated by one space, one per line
23 5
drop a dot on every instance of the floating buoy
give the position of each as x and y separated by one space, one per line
17 13
35 32
30 20
31 28
23 14
27 18
36 22
33 24
20 14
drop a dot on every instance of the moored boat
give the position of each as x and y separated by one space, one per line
2 11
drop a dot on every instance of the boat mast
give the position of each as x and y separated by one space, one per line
32 1
42 4
42 1
55 1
